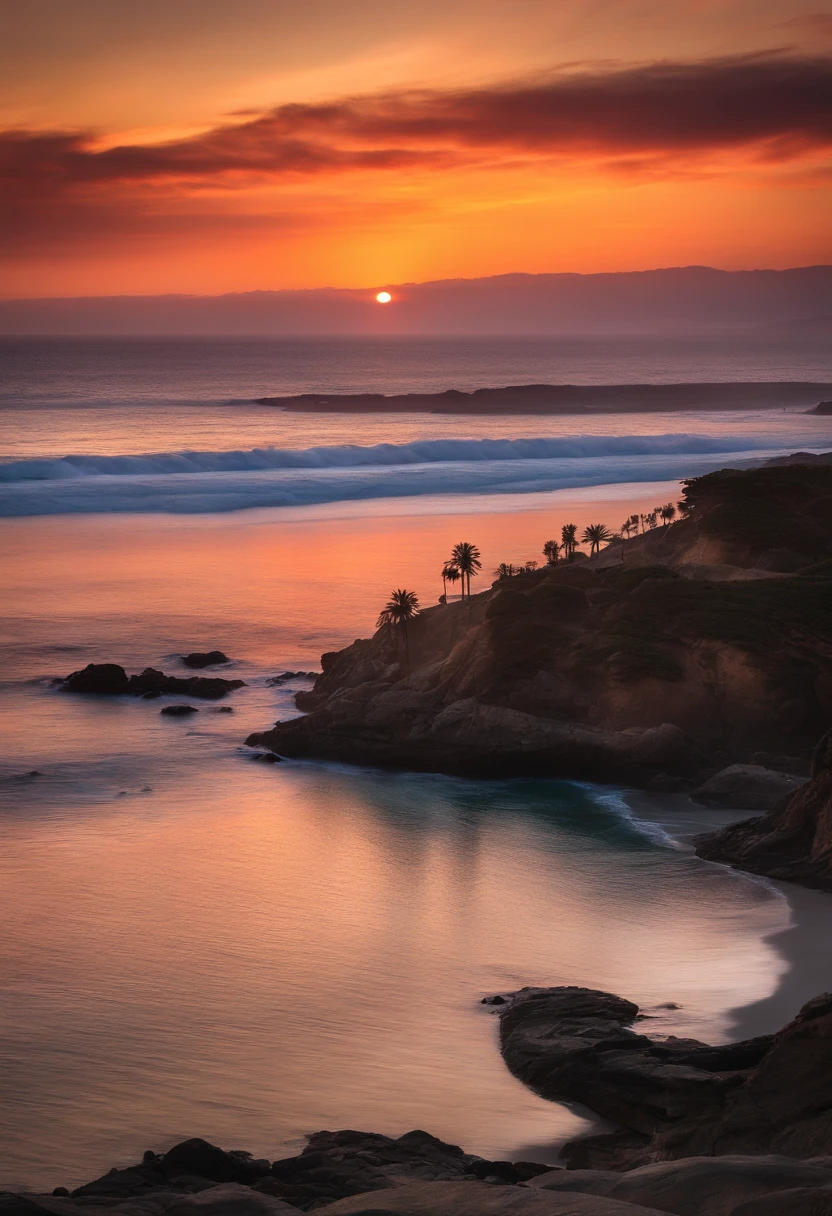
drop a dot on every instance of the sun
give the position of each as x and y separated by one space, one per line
384 297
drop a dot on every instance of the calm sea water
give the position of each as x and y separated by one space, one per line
197 945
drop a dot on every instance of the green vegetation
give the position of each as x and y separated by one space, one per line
402 607
466 558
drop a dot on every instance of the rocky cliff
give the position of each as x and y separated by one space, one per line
631 666
792 842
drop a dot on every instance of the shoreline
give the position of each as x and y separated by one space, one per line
803 945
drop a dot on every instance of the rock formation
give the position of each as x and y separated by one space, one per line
205 658
109 679
794 841
630 667
746 787
672 1098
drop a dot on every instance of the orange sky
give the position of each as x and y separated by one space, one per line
205 146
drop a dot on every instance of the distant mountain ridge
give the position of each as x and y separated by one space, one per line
685 299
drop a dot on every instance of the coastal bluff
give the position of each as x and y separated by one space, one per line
660 661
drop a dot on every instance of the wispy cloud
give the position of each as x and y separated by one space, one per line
776 105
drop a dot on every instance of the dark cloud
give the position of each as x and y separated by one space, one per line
779 104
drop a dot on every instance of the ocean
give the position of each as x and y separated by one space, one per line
198 945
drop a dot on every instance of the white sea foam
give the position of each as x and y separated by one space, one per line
193 481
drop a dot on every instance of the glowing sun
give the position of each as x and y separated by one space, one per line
384 297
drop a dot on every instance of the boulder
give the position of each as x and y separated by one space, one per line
804 1201
481 1199
111 679
197 1156
794 841
179 711
205 658
105 679
231 1199
714 1186
746 787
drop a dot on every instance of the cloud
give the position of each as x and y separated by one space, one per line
776 105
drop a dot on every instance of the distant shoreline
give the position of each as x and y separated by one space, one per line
568 399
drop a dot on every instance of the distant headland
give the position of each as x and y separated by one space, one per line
569 399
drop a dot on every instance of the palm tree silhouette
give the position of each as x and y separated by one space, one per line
627 527
450 572
402 607
466 558
569 540
595 535
551 549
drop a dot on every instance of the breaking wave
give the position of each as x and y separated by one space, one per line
271 477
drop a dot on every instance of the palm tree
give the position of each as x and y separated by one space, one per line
595 535
402 607
652 519
626 527
451 573
504 570
569 540
634 523
446 575
668 514
466 558
551 549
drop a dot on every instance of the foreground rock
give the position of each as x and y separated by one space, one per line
109 679
672 1098
746 787
794 841
480 1199
694 1185
363 1173
645 665
332 1166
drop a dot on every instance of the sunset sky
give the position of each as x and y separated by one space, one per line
207 146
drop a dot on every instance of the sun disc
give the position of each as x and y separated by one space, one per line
384 297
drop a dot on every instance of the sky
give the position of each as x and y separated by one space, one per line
207 146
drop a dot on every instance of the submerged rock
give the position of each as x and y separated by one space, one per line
207 658
179 711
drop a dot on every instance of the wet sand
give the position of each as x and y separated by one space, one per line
803 945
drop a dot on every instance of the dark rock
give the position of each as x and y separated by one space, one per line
207 658
481 1199
693 1186
19 1205
230 1199
60 1191
224 709
110 679
208 687
107 679
198 1157
151 694
782 561
672 1098
267 758
794 841
493 1000
179 711
746 787
803 1201
286 676
667 783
